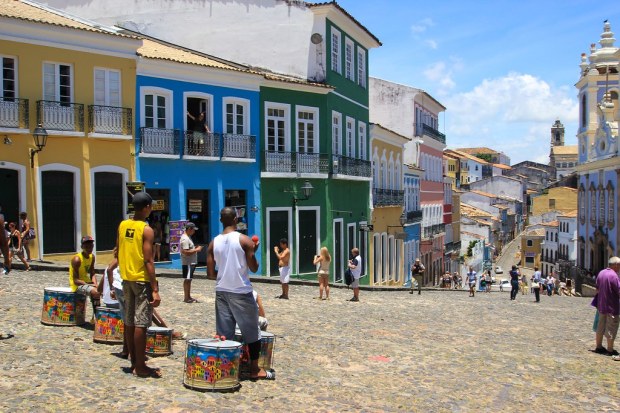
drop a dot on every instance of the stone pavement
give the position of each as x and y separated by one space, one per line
392 351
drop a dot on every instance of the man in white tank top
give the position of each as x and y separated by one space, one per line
234 255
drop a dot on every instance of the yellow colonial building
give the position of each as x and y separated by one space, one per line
531 247
77 82
562 199
386 253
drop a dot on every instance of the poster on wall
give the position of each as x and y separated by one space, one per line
176 230
195 205
132 189
159 205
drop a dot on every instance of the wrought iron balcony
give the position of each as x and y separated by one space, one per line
426 130
159 141
342 165
62 116
14 113
238 146
201 144
387 197
433 230
295 162
109 120
414 216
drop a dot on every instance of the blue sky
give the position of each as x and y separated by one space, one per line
505 70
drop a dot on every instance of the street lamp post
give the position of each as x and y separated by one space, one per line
40 140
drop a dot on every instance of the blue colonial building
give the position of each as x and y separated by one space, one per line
413 212
197 119
599 164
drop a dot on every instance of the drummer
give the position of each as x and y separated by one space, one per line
82 278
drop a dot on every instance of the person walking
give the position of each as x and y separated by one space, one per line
4 247
514 282
523 284
536 284
489 280
323 260
189 260
283 253
471 280
140 290
355 265
417 270
607 302
235 255
15 245
27 234
550 284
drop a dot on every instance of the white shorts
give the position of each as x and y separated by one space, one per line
285 274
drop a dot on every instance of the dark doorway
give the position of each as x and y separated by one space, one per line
338 255
108 208
307 240
58 200
197 211
159 220
278 229
9 195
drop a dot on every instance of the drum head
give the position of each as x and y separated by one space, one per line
214 343
159 329
58 289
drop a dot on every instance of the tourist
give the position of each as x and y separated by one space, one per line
355 265
189 260
323 260
15 245
523 284
489 280
514 282
471 280
27 234
417 270
550 284
4 247
607 302
283 253
234 255
536 284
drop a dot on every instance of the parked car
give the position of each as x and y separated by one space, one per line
504 285
498 270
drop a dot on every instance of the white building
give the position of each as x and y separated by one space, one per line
567 237
549 253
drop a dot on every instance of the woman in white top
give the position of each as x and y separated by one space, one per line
323 260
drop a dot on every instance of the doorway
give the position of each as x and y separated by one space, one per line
338 250
307 220
108 208
9 195
159 220
278 227
57 195
197 211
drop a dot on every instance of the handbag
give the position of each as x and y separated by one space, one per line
31 234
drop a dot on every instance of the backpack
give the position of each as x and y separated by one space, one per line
348 277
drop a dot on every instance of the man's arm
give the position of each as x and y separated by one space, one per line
147 250
250 249
210 262
93 277
75 264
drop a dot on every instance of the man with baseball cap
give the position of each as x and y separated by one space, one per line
135 261
82 278
189 260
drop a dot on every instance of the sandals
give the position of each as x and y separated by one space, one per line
6 336
269 375
152 373
599 350
180 336
191 301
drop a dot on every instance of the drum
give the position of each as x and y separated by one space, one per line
62 307
109 326
212 365
158 341
265 360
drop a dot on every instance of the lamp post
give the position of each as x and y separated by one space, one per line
402 220
40 140
306 191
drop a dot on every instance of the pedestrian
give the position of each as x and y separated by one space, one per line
157 238
536 284
417 270
523 284
355 265
323 260
4 247
483 282
234 255
27 234
140 289
514 282
550 284
15 245
189 260
82 278
607 302
471 280
283 253
489 280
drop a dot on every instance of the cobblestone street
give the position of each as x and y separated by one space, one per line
392 351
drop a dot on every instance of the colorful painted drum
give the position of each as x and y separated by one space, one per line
158 341
265 360
109 326
62 307
212 365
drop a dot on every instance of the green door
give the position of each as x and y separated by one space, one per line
9 195
278 229
307 248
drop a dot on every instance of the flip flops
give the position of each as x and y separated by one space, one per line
152 373
6 336
191 301
269 375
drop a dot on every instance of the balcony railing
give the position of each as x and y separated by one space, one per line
62 116
159 141
387 197
238 146
109 120
201 144
342 165
14 113
295 162
433 230
422 129
414 216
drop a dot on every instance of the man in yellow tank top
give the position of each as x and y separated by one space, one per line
140 290
82 278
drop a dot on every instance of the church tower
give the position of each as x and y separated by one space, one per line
557 134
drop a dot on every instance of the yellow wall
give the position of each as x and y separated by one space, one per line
565 201
535 249
81 151
452 167
381 218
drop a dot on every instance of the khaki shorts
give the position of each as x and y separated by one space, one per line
138 310
85 289
355 283
608 325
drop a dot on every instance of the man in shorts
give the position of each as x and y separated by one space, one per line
4 247
283 253
608 306
356 269
189 260
82 278
140 290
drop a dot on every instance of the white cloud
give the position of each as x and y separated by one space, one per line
441 74
431 43
513 113
422 25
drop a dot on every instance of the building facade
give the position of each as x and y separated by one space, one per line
413 213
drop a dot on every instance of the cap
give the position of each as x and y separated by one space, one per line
190 225
87 238
417 260
141 199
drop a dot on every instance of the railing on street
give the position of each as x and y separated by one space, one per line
61 116
433 230
387 197
343 165
109 120
14 113
238 146
159 141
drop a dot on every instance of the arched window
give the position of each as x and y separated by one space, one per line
601 206
582 204
584 111
592 204
391 179
611 210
